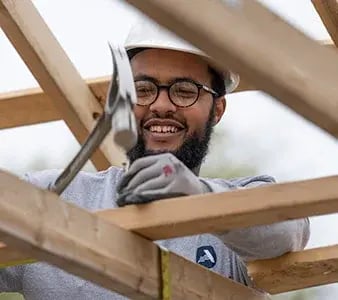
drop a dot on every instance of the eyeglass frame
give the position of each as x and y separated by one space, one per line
167 87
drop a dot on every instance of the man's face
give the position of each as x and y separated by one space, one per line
164 127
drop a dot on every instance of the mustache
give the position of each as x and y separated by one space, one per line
168 116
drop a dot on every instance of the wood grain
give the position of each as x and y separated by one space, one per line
248 207
297 270
41 225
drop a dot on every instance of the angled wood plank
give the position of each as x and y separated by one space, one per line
230 210
297 270
41 224
26 107
216 212
305 83
33 106
55 73
328 12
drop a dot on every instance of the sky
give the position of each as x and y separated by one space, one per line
259 130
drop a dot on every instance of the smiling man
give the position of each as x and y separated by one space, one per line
176 106
180 98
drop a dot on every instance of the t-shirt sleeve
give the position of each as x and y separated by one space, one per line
264 241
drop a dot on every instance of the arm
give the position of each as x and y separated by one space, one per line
162 176
265 241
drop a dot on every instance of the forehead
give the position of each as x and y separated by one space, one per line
165 65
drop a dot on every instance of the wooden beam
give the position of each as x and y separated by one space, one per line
297 270
305 83
26 107
33 106
52 230
216 212
328 12
55 73
230 210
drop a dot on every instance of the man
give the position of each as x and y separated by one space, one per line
180 100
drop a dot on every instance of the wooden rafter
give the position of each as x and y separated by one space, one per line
328 12
26 107
230 210
55 73
52 230
305 83
33 106
297 270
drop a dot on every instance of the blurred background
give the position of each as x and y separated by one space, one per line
256 136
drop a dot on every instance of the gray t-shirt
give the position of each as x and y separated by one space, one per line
223 253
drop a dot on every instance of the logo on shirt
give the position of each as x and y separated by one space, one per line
206 256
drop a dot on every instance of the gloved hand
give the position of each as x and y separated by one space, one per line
157 177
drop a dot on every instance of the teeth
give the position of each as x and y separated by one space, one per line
163 129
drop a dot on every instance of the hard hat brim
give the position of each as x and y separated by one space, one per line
231 79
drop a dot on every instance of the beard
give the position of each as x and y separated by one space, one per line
192 152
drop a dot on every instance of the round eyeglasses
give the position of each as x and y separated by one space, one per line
182 93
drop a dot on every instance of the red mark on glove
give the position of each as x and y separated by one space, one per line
167 170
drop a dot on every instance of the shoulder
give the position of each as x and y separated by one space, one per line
83 179
252 181
43 178
219 184
91 190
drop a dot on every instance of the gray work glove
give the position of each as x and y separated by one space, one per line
157 177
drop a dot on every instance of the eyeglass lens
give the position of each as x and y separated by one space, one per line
181 93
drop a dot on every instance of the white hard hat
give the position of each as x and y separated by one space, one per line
148 34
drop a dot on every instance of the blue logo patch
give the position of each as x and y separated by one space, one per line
206 256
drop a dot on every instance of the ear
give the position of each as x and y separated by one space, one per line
220 106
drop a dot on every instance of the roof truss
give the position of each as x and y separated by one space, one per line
305 83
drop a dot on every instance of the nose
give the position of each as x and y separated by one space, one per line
162 105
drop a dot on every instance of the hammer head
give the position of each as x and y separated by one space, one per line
121 98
